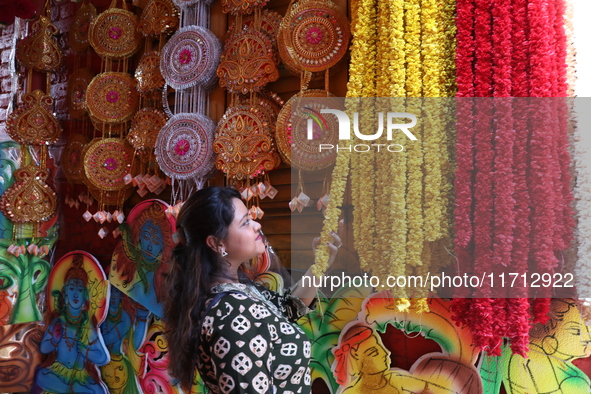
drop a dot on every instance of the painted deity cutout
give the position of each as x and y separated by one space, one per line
548 367
362 362
124 331
141 259
19 355
77 297
324 325
22 280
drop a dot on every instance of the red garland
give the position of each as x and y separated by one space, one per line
519 37
503 48
484 48
518 308
465 47
561 50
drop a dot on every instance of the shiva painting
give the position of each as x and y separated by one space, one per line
124 332
77 294
140 261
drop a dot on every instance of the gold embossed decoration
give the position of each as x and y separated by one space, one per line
292 131
145 127
113 34
242 6
40 50
270 23
112 97
190 58
244 143
270 102
314 35
80 27
76 98
159 17
147 74
71 158
184 148
248 62
33 123
106 162
29 198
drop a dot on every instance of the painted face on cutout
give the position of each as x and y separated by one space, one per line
115 299
372 356
151 241
573 338
244 240
75 294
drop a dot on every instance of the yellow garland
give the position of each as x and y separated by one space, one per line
412 36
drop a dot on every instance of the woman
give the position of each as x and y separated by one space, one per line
241 336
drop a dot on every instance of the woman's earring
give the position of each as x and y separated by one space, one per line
224 253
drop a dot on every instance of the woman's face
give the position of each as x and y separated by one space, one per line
244 240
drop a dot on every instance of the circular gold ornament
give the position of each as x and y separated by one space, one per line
315 34
80 27
112 97
159 17
113 34
145 126
244 143
76 98
147 74
106 162
292 130
71 158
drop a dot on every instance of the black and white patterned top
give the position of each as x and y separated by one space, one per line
250 344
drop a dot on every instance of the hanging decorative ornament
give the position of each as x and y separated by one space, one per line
29 198
248 62
112 97
113 34
270 102
80 27
244 143
316 34
108 198
243 7
158 17
76 98
147 74
33 123
71 158
184 148
106 162
145 126
270 23
190 58
40 50
292 130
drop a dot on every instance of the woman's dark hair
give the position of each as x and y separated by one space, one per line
209 211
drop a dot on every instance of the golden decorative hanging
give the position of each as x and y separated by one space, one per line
145 127
78 33
112 97
71 158
113 34
292 140
244 143
159 17
248 62
40 50
76 98
147 74
33 123
316 35
106 163
29 198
